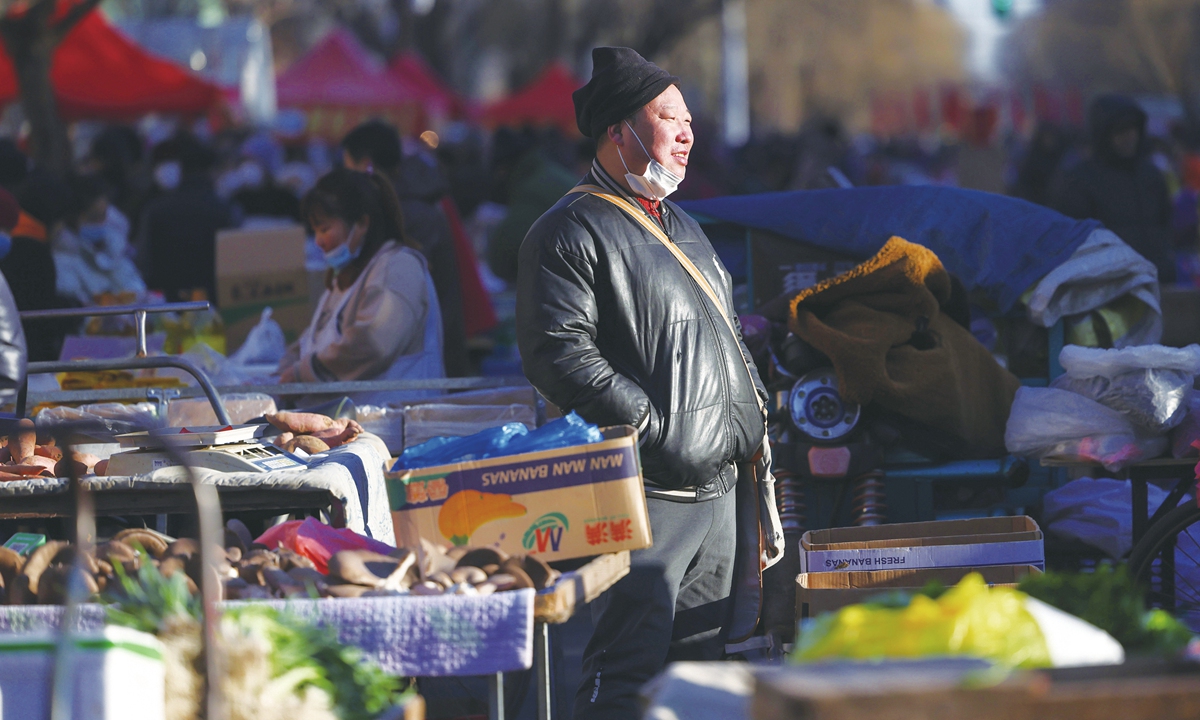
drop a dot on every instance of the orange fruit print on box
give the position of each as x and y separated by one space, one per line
464 512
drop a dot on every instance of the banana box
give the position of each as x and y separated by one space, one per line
558 504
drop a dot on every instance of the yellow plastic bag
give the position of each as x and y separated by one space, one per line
968 619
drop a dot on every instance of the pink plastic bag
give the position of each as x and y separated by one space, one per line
318 542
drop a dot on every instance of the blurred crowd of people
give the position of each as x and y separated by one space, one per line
137 217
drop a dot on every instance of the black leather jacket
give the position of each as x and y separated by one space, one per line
610 325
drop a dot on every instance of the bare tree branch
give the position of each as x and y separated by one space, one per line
671 20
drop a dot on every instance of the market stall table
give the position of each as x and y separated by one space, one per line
556 605
447 635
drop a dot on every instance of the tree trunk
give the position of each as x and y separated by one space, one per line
30 41
407 38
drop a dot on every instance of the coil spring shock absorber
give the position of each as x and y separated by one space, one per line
870 499
789 496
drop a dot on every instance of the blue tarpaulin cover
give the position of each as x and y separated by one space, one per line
999 245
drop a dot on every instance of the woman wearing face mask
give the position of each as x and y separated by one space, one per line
89 251
378 318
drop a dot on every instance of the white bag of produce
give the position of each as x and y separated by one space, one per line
1047 423
264 345
1149 384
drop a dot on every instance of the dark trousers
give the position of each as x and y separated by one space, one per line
673 605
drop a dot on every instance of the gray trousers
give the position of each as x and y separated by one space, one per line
673 605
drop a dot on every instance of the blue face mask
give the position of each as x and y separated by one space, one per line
5 244
93 234
341 256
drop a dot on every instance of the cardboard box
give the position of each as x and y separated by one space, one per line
817 593
977 542
262 268
572 502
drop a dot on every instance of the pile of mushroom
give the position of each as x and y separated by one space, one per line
249 571
265 573
41 578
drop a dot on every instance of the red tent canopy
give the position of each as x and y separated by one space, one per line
98 73
545 101
340 84
411 70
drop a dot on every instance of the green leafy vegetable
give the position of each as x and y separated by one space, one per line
147 600
1110 599
302 653
359 689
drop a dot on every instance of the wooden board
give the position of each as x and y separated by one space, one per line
579 587
1026 696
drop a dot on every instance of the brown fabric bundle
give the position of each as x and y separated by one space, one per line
881 326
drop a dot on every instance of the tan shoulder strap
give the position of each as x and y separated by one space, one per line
653 228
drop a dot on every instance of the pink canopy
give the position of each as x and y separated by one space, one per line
339 84
410 69
545 101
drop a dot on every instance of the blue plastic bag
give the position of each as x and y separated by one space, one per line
510 439
564 432
446 450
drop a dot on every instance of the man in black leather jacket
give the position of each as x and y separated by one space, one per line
611 325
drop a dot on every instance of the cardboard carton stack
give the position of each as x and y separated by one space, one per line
844 566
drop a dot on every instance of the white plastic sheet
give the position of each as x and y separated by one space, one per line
1102 270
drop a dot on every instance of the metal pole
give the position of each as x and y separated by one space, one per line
113 310
139 321
496 696
208 516
63 693
141 364
541 666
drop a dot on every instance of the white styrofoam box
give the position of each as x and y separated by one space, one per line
118 675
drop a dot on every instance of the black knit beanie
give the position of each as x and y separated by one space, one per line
622 82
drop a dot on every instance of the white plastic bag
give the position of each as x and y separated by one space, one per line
216 366
241 407
264 345
1047 423
1149 384
117 417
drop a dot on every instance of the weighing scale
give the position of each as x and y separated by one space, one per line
224 448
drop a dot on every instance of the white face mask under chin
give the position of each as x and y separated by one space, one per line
657 182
